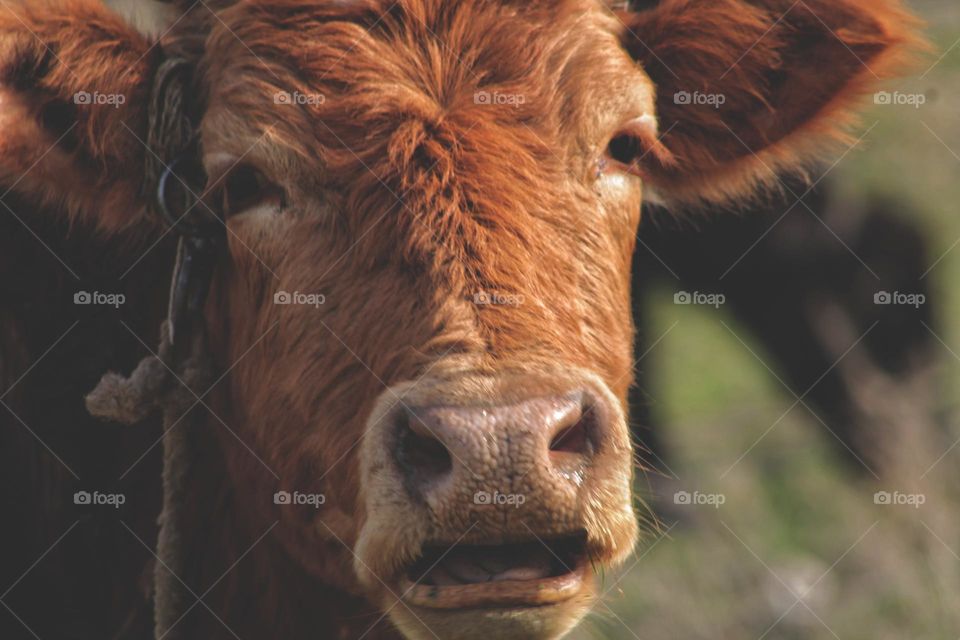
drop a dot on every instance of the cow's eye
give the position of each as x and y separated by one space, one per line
624 150
631 144
244 188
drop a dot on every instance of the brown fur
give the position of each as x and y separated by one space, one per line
405 199
49 51
793 75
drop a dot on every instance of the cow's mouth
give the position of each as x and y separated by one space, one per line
525 574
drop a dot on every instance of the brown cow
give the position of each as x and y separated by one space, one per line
454 188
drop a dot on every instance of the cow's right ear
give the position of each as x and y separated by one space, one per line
74 87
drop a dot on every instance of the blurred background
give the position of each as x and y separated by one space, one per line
792 501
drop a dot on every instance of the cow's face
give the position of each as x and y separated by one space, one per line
423 310
441 198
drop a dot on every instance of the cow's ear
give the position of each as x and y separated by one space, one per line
749 88
74 85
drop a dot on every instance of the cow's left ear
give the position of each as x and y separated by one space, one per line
749 88
74 87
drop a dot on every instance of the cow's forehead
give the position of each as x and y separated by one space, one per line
343 73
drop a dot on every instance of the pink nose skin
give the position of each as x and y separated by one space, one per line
541 449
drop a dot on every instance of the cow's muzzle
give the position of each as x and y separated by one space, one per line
493 494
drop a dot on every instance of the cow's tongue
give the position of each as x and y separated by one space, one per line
472 565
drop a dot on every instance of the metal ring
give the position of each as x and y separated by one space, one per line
181 222
174 220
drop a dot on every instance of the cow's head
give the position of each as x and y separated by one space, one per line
431 208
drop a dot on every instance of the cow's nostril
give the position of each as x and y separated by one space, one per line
577 436
420 454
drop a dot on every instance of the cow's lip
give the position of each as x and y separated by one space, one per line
524 574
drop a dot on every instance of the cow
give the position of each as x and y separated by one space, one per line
419 319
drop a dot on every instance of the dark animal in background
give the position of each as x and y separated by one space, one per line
782 278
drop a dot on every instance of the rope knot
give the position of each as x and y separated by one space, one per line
158 383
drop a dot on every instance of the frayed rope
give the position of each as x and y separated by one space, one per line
161 383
